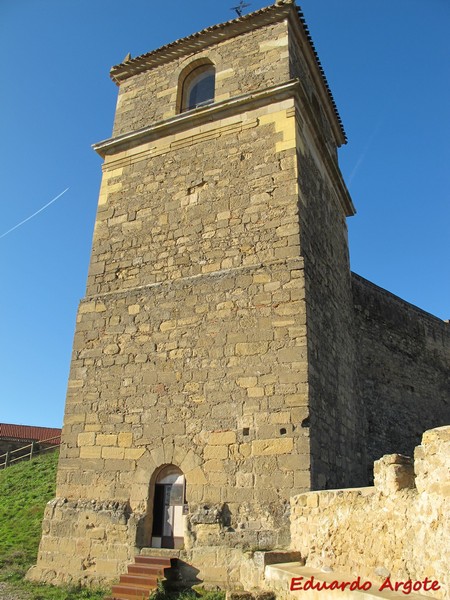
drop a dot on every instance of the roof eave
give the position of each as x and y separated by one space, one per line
202 39
282 9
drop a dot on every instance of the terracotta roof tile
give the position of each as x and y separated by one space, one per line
215 34
29 433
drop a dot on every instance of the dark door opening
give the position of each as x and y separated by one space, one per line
168 505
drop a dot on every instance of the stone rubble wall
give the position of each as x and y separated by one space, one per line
399 528
336 417
403 372
84 541
216 197
192 334
195 375
190 348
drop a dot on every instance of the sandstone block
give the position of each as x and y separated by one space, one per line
134 309
125 439
134 453
90 452
106 439
219 438
219 452
112 452
251 348
196 477
393 472
246 382
213 465
272 446
255 392
86 439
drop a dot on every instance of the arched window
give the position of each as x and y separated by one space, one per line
198 87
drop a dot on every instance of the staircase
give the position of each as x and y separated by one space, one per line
142 578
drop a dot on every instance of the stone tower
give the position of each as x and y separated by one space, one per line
212 369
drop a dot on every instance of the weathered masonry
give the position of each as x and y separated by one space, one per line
215 372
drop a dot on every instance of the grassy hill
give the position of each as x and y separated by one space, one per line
25 489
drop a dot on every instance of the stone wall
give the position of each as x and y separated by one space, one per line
399 528
84 541
177 207
336 423
190 346
403 369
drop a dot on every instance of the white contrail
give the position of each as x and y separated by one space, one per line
386 107
34 214
366 149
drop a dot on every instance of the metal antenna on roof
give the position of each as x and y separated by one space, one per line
240 8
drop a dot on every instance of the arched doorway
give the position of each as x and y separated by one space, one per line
168 503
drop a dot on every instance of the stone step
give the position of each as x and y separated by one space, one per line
143 569
160 552
278 577
128 597
142 578
153 560
135 592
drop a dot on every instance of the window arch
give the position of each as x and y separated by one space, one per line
198 87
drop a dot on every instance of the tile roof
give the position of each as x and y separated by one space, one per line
29 433
217 33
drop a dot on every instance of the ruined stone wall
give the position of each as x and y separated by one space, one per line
250 62
84 541
398 528
403 369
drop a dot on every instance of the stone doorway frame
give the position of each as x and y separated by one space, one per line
166 508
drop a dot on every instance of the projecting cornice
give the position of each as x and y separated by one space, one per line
221 110
196 117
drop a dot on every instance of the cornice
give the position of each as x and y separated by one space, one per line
221 110
196 117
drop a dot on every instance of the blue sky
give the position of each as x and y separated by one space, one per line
387 66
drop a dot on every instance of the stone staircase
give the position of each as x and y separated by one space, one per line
142 578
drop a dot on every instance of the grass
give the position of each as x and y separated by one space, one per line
163 594
25 489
